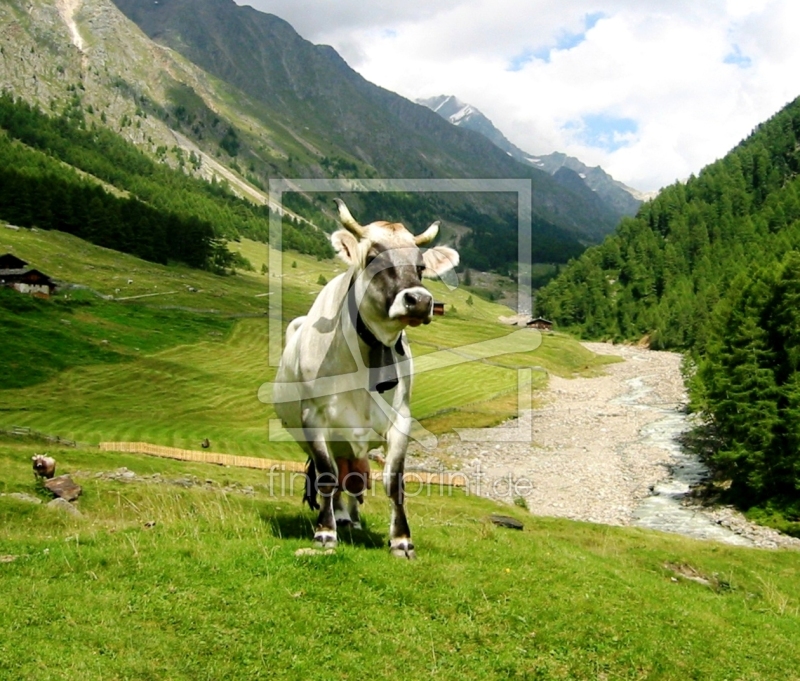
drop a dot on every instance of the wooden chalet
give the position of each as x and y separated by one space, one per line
9 261
15 273
539 323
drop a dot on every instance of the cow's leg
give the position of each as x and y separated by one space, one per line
354 480
341 510
352 508
325 532
345 510
400 543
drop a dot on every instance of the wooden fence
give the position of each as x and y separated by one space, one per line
444 479
201 457
20 431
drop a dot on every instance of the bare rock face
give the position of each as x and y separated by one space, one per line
64 487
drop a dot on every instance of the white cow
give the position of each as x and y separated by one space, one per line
344 382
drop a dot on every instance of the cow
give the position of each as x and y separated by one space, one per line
343 385
43 466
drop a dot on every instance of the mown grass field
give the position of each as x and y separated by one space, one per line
174 369
167 581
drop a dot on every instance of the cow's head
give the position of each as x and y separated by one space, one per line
389 268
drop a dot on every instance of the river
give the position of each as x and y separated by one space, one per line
603 449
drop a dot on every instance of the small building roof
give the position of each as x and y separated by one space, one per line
26 275
9 261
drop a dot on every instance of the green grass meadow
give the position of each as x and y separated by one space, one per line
214 590
193 575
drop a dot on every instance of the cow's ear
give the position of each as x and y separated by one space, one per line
439 260
346 246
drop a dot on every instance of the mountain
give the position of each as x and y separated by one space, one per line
711 266
339 113
664 272
91 142
84 56
617 194
620 198
468 117
235 96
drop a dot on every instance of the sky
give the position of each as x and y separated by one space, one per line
650 90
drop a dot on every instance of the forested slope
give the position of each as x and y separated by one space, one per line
159 212
664 271
711 266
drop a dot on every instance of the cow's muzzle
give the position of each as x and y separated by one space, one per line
412 306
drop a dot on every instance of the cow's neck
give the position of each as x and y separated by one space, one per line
382 361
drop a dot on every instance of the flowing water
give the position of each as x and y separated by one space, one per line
664 510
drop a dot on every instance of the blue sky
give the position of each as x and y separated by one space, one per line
604 131
736 58
565 41
651 90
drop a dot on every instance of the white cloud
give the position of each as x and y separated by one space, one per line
695 78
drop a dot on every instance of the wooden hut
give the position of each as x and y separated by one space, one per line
540 323
15 273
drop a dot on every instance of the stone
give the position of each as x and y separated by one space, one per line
61 504
22 496
506 521
64 487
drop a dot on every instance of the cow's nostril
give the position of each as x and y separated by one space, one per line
410 299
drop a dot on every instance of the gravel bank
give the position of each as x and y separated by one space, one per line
599 447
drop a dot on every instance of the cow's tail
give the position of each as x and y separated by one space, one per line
310 495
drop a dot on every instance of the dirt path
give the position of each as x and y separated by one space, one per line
599 447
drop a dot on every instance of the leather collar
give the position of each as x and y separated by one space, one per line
382 361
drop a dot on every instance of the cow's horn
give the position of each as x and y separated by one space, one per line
347 220
428 235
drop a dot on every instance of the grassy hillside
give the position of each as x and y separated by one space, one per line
172 366
190 570
160 581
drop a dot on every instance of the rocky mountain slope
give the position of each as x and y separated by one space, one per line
83 57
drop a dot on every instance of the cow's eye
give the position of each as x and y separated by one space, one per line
420 270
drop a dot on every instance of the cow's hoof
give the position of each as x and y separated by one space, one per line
343 518
356 525
402 548
325 539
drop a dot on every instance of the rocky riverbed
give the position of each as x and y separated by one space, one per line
604 450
